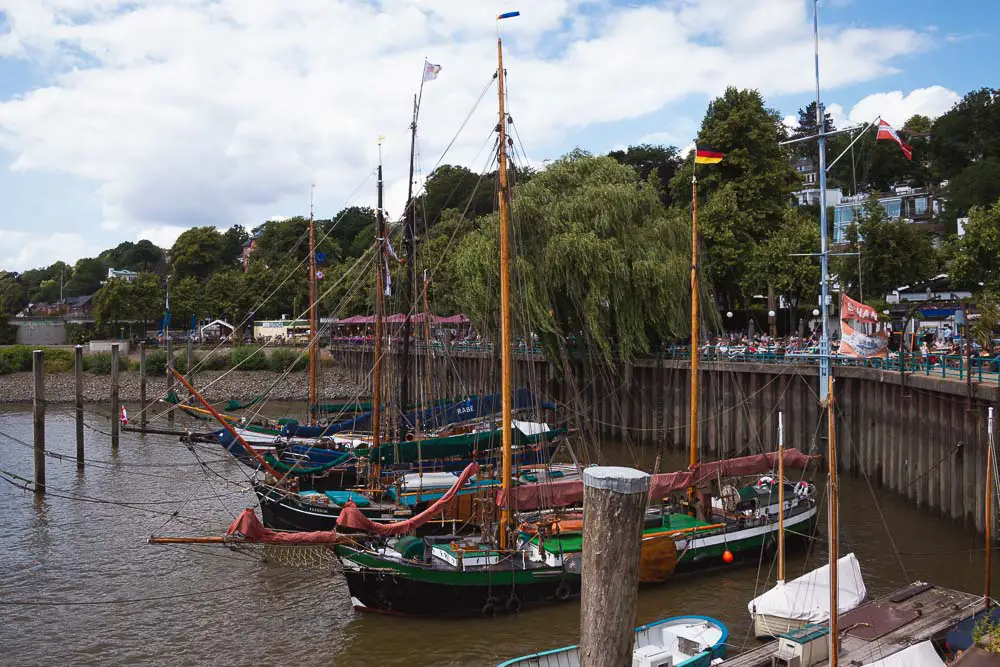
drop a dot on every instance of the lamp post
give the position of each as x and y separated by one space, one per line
772 322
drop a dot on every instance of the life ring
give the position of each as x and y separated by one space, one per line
513 604
765 481
563 591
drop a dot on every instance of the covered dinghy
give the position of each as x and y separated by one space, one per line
792 604
917 655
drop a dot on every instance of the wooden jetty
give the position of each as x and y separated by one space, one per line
883 626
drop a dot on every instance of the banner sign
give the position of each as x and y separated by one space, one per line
856 343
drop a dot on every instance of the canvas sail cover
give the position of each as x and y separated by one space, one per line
564 494
808 597
855 317
918 655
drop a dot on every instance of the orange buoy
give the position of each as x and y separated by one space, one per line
727 556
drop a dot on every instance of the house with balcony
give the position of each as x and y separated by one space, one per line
809 195
918 206
122 274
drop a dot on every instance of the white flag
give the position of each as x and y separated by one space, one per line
431 71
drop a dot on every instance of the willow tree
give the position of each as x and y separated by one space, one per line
595 259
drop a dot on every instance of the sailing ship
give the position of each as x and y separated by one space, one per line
540 562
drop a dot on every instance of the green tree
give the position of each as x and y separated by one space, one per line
232 245
228 297
348 224
968 133
975 261
113 304
976 185
754 180
664 161
148 296
808 127
775 264
893 253
13 295
88 274
597 254
456 187
196 253
141 256
280 241
187 298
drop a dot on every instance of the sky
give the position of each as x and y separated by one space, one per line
130 119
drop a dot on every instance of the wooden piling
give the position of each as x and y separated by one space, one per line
170 377
190 361
142 385
614 501
78 372
38 406
115 402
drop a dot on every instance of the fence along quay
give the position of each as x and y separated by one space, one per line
921 435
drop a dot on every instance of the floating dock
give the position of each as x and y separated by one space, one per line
884 626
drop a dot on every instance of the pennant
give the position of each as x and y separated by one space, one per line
124 417
431 71
388 278
389 250
507 15
320 257
706 157
885 131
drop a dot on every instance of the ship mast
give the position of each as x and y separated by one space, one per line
379 287
313 328
409 247
505 344
693 458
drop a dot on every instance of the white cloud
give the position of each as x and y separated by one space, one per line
25 250
896 107
195 112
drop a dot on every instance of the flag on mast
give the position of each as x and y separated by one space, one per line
431 71
885 131
706 157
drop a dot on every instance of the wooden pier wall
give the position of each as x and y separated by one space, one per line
921 436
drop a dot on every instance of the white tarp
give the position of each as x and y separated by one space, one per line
808 597
530 428
918 655
428 480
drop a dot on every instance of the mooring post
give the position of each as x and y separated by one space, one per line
190 361
170 377
38 405
78 370
614 502
115 403
142 386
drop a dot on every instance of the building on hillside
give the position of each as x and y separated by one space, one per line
74 306
914 205
809 195
281 330
122 274
933 307
248 248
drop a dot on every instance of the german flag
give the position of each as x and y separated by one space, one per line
706 157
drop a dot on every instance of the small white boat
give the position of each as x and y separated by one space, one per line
793 604
917 655
680 641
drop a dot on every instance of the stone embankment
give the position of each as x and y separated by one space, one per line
216 386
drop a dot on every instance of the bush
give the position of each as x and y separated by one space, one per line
58 361
283 359
98 364
211 362
17 358
248 358
156 363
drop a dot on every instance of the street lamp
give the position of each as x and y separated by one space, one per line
772 323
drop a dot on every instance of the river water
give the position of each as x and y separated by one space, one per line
79 584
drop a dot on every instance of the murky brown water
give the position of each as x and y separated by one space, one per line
79 585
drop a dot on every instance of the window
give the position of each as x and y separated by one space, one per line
920 206
811 178
892 208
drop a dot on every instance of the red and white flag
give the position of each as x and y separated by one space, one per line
885 131
124 417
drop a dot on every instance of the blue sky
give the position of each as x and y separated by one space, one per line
121 121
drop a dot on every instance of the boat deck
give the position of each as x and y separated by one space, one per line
886 625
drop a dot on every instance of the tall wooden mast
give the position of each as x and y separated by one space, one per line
693 458
313 327
409 248
505 338
379 287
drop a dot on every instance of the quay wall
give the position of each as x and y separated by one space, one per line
920 436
